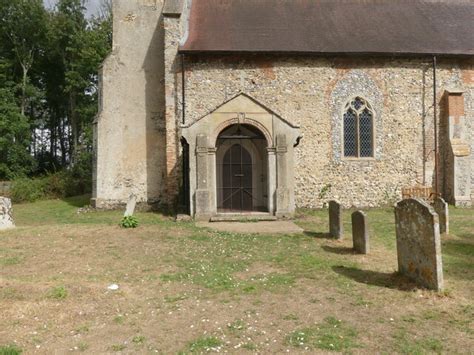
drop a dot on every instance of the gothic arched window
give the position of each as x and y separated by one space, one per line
358 129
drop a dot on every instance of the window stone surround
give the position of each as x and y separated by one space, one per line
356 83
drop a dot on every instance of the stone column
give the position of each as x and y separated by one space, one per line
202 196
282 191
271 179
212 180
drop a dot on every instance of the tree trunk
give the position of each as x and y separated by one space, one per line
74 127
23 87
62 138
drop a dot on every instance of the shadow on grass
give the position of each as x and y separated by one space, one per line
339 250
318 235
381 279
78 201
457 259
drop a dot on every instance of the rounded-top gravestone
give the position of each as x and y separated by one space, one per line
418 243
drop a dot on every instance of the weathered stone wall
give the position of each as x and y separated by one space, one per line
129 134
312 92
468 85
138 129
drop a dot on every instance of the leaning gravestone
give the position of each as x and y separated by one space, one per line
6 213
418 243
336 229
441 208
131 204
360 233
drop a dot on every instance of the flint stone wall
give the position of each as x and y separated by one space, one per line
418 243
311 92
6 213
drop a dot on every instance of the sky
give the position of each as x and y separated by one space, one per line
92 5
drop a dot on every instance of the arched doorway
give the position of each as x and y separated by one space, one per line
242 169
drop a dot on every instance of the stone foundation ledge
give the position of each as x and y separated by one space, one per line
463 202
115 205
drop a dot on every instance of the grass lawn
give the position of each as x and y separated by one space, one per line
189 290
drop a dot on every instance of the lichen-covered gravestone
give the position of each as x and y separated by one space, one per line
441 208
336 229
360 233
6 213
418 243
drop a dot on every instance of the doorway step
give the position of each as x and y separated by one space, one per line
242 217
258 227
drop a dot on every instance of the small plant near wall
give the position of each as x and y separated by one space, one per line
129 222
323 193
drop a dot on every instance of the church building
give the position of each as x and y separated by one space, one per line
243 107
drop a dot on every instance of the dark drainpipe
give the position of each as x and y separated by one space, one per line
435 113
183 89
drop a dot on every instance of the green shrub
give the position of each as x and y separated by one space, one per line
65 183
27 190
129 222
79 177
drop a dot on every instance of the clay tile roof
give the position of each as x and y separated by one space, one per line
403 27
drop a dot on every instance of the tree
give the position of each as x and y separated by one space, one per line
15 159
78 48
49 62
22 24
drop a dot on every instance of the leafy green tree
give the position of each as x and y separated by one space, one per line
49 62
22 25
78 48
15 159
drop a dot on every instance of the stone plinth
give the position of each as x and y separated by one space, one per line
418 243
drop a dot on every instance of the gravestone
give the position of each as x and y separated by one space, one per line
418 243
360 233
131 204
6 213
336 229
441 208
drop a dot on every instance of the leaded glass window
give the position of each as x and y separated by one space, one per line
358 129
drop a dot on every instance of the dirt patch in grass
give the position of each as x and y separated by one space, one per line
186 289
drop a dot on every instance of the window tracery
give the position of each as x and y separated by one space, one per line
358 131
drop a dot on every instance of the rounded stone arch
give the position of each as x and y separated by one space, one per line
247 121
